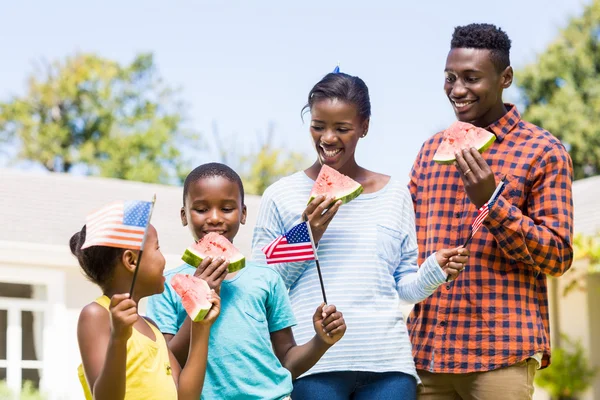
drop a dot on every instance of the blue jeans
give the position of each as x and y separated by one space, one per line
356 385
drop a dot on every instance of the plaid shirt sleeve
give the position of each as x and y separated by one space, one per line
542 238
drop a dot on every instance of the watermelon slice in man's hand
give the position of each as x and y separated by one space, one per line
459 136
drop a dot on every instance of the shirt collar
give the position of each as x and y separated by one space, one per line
505 124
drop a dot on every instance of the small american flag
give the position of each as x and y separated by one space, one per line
484 211
478 221
295 245
120 224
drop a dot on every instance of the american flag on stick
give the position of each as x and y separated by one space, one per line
482 213
120 224
295 245
478 221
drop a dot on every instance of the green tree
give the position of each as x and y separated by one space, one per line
561 90
108 119
262 168
268 165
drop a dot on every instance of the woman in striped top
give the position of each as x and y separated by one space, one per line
367 251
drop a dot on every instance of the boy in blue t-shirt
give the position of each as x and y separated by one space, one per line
252 352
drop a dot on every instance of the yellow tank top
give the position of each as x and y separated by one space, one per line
148 370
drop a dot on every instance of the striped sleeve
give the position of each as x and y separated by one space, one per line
414 284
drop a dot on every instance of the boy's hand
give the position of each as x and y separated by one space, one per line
318 218
329 324
212 271
123 314
214 311
452 261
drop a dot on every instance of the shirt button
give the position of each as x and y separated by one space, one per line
457 214
447 287
443 323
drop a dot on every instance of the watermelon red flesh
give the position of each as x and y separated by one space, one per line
193 292
214 245
459 136
332 183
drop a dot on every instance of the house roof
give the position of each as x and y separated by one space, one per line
47 208
586 200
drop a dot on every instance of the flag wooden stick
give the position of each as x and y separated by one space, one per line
312 242
472 233
137 264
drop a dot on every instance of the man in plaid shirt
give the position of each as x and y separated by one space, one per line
483 335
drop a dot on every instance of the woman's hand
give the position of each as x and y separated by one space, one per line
452 261
319 214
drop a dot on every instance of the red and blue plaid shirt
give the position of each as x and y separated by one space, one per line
495 313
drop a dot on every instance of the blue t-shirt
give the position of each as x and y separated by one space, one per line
241 362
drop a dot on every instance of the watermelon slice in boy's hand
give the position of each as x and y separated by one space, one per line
193 292
214 245
332 183
459 136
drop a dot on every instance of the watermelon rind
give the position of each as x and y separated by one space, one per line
200 314
192 257
451 159
345 197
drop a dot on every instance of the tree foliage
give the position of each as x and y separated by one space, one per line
108 119
561 90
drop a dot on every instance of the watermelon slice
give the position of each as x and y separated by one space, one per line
332 183
462 135
214 245
193 292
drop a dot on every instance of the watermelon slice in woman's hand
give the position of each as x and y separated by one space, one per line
333 183
193 292
214 245
459 136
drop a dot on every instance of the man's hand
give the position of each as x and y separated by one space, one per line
478 178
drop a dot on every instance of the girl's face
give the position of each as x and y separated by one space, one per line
335 128
150 278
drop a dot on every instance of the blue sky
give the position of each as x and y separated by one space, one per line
246 64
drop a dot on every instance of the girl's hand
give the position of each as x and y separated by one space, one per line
214 311
318 218
329 324
452 261
123 314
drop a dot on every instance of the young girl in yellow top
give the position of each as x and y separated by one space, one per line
124 355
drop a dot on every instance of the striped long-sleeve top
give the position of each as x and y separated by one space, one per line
368 257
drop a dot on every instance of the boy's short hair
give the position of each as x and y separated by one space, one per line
210 170
484 36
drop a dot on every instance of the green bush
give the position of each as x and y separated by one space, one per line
29 392
570 373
